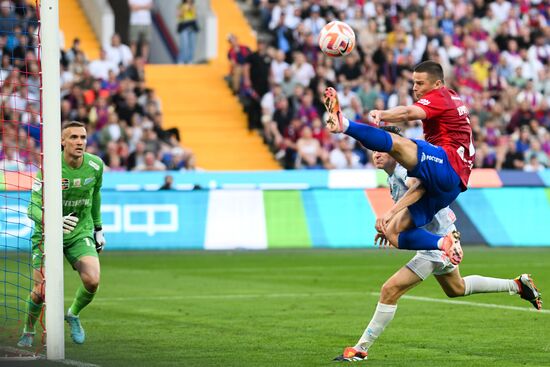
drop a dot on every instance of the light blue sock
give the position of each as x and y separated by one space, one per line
372 138
418 239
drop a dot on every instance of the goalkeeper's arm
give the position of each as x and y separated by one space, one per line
34 210
96 216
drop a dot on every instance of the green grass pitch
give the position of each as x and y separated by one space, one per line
300 308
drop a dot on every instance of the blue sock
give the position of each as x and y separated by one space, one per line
417 239
372 138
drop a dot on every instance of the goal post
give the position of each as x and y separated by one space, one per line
51 170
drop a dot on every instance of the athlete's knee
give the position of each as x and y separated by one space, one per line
393 238
455 290
392 232
37 294
91 281
390 292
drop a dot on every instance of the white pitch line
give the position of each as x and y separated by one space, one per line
325 294
475 304
224 296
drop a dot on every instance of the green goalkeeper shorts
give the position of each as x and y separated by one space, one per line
73 251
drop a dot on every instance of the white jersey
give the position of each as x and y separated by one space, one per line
443 221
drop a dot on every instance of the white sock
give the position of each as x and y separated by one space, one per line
345 124
478 284
382 317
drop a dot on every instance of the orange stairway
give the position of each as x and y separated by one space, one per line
74 24
196 99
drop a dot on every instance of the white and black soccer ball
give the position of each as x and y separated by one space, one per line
337 39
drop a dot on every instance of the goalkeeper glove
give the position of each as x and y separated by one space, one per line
69 223
99 239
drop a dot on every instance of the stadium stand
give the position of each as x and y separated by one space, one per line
495 54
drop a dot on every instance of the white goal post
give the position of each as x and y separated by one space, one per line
51 169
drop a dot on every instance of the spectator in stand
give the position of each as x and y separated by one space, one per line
150 163
350 72
281 120
289 147
136 70
282 36
302 70
117 52
137 157
520 117
524 141
540 50
320 133
283 8
115 164
309 152
535 150
346 97
112 132
268 102
530 95
170 136
534 165
8 19
178 159
150 138
140 27
401 97
99 69
129 108
11 159
343 157
314 23
188 28
278 67
112 84
237 56
256 75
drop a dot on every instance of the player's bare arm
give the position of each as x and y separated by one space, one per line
399 114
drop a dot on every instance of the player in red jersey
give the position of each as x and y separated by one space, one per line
442 164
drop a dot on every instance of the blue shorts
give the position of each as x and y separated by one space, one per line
439 178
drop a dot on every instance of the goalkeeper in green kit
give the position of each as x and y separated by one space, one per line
82 234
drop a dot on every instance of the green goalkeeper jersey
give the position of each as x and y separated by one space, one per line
80 190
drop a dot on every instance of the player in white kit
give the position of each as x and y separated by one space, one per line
425 263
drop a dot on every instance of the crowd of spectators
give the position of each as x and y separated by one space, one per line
123 117
495 54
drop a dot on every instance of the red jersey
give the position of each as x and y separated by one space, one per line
447 124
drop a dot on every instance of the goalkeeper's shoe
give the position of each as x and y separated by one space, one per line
451 247
335 119
77 332
26 340
528 291
351 355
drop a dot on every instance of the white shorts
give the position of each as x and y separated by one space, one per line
434 262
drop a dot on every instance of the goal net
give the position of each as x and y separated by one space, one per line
20 160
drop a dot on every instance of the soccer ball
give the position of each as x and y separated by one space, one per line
336 39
